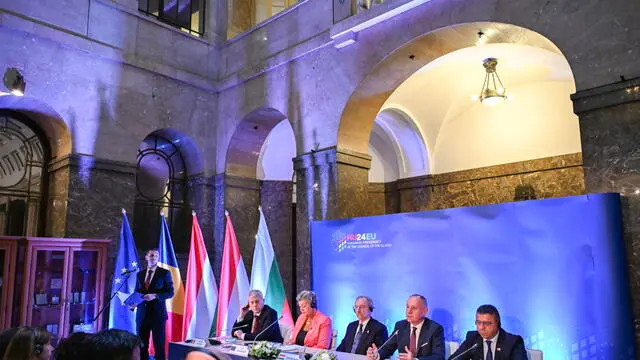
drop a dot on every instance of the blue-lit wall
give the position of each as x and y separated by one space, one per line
554 268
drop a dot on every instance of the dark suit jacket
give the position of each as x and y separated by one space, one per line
267 317
430 344
509 347
162 285
374 333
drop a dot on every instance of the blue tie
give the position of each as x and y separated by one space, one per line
356 340
489 352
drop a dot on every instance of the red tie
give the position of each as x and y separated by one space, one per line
412 341
148 280
254 326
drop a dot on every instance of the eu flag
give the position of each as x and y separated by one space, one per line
124 280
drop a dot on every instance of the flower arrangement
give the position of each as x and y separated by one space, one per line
324 355
264 350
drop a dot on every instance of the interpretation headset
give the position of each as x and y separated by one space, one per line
369 302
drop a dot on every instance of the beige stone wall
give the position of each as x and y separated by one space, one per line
556 176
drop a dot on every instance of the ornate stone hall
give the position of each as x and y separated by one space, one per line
313 110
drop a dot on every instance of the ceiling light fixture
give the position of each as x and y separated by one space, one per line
14 81
493 92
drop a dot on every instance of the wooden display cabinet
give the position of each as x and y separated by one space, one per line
58 284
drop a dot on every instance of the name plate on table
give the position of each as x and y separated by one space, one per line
290 356
241 350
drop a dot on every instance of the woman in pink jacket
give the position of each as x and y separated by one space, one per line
313 328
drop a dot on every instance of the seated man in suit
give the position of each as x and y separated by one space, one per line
257 321
490 341
365 331
417 337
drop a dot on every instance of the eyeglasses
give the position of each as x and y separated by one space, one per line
356 307
484 323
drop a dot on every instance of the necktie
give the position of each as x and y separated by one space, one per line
148 280
489 352
254 325
356 339
413 341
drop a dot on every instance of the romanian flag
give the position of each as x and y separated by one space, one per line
201 291
234 283
265 275
175 305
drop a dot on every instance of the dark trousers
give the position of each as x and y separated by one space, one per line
157 328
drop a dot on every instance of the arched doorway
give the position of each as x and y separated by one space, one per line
165 161
259 172
24 155
475 154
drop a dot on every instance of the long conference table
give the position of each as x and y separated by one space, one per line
238 351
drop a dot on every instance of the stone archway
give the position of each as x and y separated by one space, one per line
253 147
57 170
377 92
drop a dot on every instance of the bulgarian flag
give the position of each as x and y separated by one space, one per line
234 284
175 305
201 290
265 275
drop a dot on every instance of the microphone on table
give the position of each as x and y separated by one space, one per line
466 351
265 329
390 337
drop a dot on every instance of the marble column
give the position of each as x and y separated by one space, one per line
331 184
241 199
610 134
201 198
276 201
98 191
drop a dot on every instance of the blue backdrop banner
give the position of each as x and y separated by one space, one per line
555 268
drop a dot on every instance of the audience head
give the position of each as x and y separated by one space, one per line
114 344
416 309
487 321
152 256
5 339
363 307
256 301
29 343
75 347
206 354
307 302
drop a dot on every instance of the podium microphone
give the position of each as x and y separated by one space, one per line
466 351
129 271
265 329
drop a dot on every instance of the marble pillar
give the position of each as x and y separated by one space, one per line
241 200
610 134
276 201
98 191
331 184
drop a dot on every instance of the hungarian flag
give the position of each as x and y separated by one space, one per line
265 275
175 305
201 290
234 284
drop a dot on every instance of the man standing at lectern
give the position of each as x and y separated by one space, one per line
156 286
490 341
257 321
365 331
417 337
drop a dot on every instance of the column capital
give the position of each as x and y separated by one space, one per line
618 93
